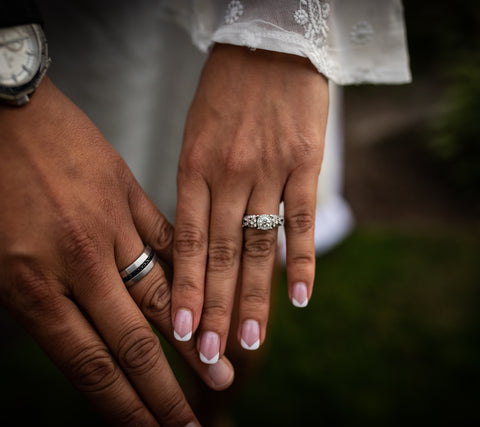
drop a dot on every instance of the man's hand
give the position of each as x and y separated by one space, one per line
254 137
72 216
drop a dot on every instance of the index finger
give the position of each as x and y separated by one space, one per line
189 255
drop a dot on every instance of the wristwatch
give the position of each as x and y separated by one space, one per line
23 62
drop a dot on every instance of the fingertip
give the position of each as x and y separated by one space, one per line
183 325
186 308
209 350
250 335
221 374
299 296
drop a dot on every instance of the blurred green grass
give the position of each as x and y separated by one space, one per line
390 336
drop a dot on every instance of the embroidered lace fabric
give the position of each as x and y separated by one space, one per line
349 41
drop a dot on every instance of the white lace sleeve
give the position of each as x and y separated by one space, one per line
349 41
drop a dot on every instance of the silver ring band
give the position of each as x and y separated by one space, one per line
262 222
139 268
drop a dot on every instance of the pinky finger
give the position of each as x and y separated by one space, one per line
299 201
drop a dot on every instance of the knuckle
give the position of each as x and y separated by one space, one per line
221 255
194 162
28 281
304 259
134 415
93 369
189 240
185 288
260 247
163 234
216 308
31 287
80 249
174 408
256 297
120 169
236 163
239 161
308 148
139 350
192 159
156 300
301 223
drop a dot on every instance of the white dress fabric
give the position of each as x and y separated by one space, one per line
134 71
349 41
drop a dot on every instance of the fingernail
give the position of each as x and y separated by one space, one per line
250 339
220 373
300 295
209 348
192 424
183 325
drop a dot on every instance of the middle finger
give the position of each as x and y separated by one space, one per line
224 249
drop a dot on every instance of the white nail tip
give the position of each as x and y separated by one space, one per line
254 346
211 361
298 304
184 338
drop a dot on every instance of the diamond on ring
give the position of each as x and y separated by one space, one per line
262 222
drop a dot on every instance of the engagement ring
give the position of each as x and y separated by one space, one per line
262 222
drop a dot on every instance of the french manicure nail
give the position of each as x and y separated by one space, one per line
209 348
220 373
300 295
183 325
250 339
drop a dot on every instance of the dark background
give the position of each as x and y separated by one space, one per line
391 335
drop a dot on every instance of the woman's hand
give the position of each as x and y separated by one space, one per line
254 137
72 216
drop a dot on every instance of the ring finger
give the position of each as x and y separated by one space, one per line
258 259
132 342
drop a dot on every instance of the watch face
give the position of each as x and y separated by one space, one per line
20 55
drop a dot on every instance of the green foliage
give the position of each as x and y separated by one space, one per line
455 131
440 33
443 42
389 338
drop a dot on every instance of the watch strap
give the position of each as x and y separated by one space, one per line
19 12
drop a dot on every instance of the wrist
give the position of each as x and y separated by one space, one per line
35 125
259 77
38 104
261 55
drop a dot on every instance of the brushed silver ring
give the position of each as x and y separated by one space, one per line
139 268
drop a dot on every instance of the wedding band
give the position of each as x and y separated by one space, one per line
262 222
139 268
